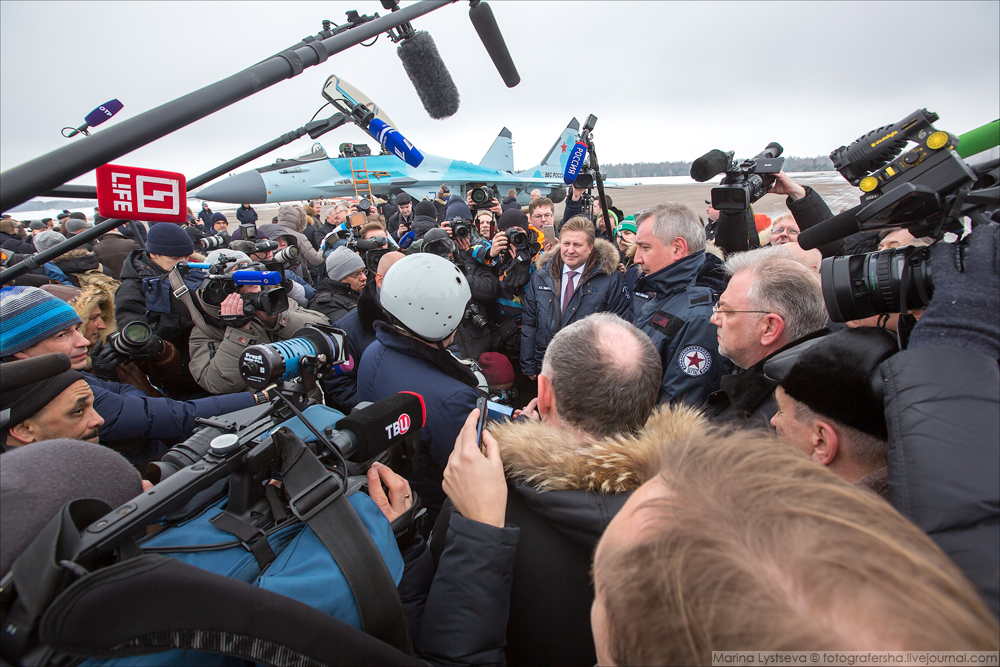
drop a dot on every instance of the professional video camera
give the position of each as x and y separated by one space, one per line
583 171
218 284
745 182
482 196
926 190
220 240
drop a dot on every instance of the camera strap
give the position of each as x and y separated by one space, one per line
316 499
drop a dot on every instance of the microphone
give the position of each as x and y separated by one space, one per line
366 433
978 140
394 142
95 118
712 163
430 77
489 32
257 277
407 239
834 229
574 162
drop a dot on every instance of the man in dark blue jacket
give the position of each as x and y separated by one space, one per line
425 295
246 215
571 281
37 323
671 308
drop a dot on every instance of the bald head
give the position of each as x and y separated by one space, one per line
388 259
605 375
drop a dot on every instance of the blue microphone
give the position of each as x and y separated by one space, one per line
394 142
577 156
406 239
257 277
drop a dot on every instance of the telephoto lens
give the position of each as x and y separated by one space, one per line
212 242
261 365
517 238
132 337
860 286
287 254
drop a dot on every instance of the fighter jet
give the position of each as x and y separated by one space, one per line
356 173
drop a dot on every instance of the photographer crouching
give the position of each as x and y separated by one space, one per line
230 315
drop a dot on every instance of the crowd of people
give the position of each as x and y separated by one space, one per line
698 457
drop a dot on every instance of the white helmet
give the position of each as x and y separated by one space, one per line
238 255
427 294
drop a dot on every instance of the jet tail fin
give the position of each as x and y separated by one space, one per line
500 156
554 161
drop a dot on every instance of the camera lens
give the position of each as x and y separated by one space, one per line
517 237
137 334
860 286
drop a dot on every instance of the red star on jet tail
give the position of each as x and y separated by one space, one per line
563 147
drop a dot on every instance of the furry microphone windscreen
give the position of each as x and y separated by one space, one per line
430 77
708 165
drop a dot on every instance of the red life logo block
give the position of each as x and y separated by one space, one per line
131 193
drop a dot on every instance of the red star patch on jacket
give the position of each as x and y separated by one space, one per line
695 360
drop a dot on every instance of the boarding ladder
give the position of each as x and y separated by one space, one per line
362 184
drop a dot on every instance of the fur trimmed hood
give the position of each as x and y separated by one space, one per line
605 258
552 459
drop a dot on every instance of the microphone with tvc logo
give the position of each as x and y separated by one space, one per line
95 118
366 433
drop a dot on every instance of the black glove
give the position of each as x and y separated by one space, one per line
104 358
963 310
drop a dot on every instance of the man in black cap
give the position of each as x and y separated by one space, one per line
43 399
424 218
399 223
830 407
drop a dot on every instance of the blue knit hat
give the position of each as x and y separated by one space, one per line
170 240
29 315
216 217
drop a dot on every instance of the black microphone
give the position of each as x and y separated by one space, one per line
712 163
430 77
834 229
489 32
366 433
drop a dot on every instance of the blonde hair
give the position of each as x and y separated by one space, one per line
757 547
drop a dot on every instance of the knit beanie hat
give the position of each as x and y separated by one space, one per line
833 376
496 368
457 209
36 481
512 217
36 225
28 385
29 315
342 263
169 240
217 217
76 226
64 214
426 208
48 239
627 226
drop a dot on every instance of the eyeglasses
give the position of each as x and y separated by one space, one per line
789 231
718 310
540 216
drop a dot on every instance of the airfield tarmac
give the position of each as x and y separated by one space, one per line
837 192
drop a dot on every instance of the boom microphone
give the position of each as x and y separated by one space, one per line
978 140
429 76
576 159
834 229
489 32
394 142
366 433
711 164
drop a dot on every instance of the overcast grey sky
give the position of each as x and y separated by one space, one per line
667 80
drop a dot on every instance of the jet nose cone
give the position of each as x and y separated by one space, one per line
245 188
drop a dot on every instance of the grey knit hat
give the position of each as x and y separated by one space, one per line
49 239
342 263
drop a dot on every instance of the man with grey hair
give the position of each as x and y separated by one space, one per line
671 308
591 439
772 302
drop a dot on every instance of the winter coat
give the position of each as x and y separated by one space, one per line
294 221
422 224
81 266
112 249
442 206
395 220
341 387
395 363
15 244
145 295
334 299
675 313
941 405
472 340
246 216
205 217
746 397
564 489
598 289
130 414
215 351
